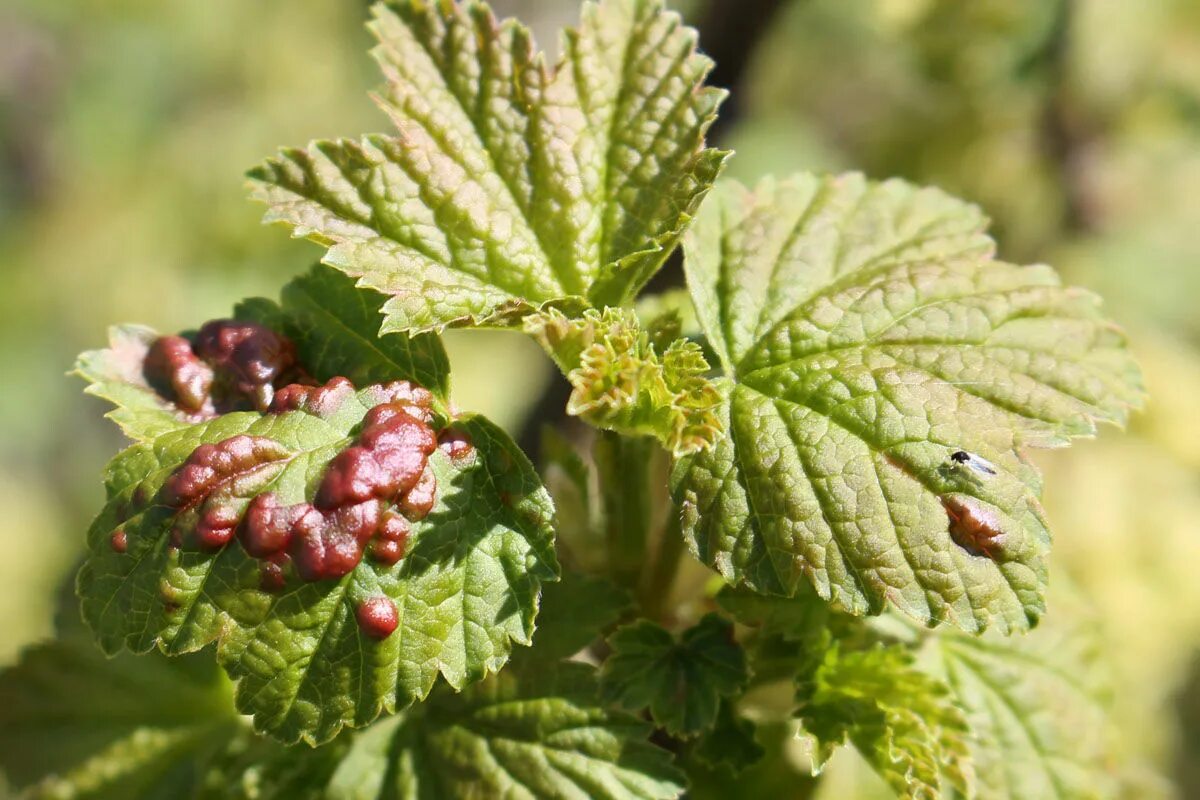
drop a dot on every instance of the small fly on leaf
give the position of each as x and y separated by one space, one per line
977 464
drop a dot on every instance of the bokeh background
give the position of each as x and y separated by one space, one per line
126 125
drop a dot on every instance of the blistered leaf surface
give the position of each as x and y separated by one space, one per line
883 372
329 327
305 643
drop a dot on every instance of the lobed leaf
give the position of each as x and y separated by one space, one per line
902 721
463 593
509 185
681 680
1040 728
731 742
74 723
883 373
532 733
574 612
621 383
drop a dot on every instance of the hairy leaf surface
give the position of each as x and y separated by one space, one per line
883 372
509 184
464 592
621 382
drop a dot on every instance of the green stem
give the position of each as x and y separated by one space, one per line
654 589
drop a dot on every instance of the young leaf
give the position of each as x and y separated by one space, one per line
1040 730
533 734
331 329
74 723
510 185
902 721
574 612
681 680
620 382
883 373
350 636
730 742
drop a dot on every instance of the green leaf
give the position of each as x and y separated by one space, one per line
680 679
335 328
902 721
116 374
574 611
532 734
332 324
254 768
621 383
1040 727
465 591
783 773
730 742
510 185
74 723
868 336
799 618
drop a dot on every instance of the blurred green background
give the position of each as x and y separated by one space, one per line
125 126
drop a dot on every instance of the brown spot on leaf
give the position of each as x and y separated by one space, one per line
418 501
974 528
118 540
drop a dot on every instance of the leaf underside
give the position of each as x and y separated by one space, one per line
1040 728
867 336
509 185
902 721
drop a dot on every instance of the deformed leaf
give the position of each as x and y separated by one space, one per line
509 184
117 374
325 614
620 382
523 733
74 723
904 722
874 353
326 326
334 326
680 679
